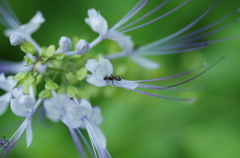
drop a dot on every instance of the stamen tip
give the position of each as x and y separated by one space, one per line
191 100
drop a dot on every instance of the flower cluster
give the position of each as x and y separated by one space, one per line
53 77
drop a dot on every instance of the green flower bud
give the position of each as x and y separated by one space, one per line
28 60
30 80
49 52
81 73
71 91
71 78
20 76
50 84
59 56
28 47
45 94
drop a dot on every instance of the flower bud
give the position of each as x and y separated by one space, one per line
16 40
82 47
65 43
28 47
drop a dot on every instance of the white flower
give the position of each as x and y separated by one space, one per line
26 30
6 84
102 69
54 106
82 115
97 22
78 115
24 106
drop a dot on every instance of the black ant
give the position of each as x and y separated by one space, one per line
112 78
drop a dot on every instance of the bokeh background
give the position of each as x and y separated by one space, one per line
135 125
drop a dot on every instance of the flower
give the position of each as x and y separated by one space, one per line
97 22
15 27
78 115
23 106
102 75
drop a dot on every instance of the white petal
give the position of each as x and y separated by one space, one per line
33 24
144 62
97 22
91 65
106 64
3 107
96 118
20 109
72 123
123 41
4 85
86 108
96 82
14 67
53 113
29 134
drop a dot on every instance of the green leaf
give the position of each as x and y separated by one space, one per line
45 94
49 52
81 73
71 91
28 60
20 76
58 56
50 84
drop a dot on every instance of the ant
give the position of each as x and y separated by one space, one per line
112 78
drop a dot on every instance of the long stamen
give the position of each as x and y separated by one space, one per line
180 46
199 37
178 32
146 15
155 19
77 143
196 75
203 28
200 88
164 97
120 23
10 11
203 65
8 18
130 12
149 53
85 142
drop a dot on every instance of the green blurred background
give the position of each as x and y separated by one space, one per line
136 125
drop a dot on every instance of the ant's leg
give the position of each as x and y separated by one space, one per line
113 84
